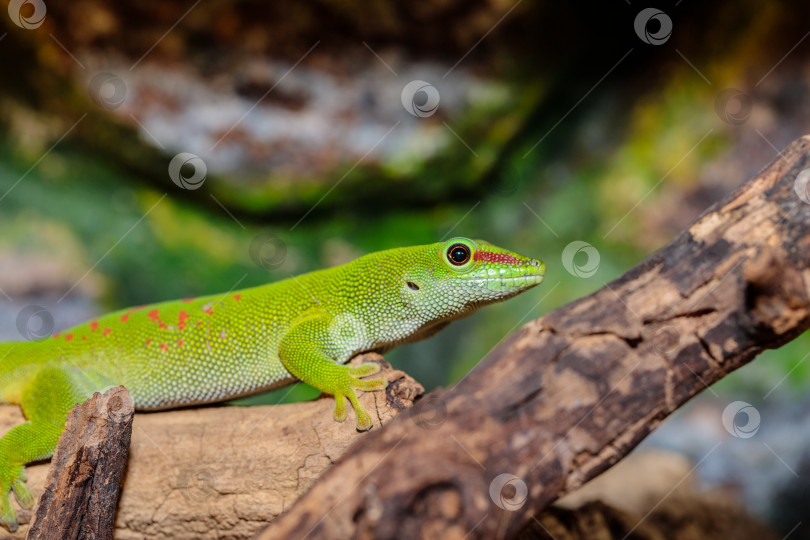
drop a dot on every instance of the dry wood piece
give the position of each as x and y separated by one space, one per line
224 472
571 393
85 475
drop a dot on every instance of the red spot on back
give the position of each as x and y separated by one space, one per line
84 338
187 300
68 337
148 341
179 342
209 310
94 326
106 331
182 317
56 335
237 297
125 317
199 323
164 346
489 256
155 317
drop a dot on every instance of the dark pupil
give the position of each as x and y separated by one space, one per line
459 254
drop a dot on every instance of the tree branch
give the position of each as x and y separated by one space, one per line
85 474
571 393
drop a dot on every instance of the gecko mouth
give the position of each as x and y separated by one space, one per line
527 279
513 277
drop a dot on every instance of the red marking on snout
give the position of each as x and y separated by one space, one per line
94 326
106 331
489 256
187 300
237 297
68 337
182 317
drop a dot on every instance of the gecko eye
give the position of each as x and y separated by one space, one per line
412 286
458 254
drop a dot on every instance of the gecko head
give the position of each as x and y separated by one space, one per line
460 275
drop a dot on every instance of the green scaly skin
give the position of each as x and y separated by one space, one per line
220 347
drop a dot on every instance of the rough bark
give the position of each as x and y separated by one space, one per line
224 472
85 475
569 394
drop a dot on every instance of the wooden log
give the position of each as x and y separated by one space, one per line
224 471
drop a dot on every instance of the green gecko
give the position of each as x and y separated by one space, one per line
220 347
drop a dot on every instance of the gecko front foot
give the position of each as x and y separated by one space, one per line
301 352
12 479
349 379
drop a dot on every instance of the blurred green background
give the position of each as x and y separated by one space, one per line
556 123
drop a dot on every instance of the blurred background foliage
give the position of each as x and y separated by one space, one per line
556 123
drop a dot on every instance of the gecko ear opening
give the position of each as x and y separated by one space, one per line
412 286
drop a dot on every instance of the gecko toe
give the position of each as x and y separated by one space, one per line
364 422
22 493
341 410
364 370
371 385
7 515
